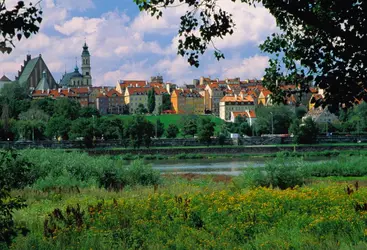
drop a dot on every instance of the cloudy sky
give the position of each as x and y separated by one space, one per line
129 45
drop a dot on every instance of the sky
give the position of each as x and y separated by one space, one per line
126 44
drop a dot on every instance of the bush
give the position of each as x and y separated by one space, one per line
139 173
282 173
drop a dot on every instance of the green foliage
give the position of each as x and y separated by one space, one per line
89 112
305 133
44 104
151 101
282 173
159 128
172 131
58 126
18 22
222 139
141 110
166 102
206 130
111 128
279 117
140 131
15 173
16 170
189 126
67 108
83 128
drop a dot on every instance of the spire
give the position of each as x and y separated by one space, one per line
85 50
76 69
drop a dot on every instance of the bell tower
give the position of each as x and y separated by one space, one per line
86 69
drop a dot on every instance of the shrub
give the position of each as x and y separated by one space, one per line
139 173
282 173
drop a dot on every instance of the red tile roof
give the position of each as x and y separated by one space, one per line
238 98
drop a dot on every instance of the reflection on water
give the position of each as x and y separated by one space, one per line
213 166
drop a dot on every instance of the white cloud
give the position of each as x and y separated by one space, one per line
120 48
252 67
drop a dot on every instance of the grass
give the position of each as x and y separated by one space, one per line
174 119
198 214
193 214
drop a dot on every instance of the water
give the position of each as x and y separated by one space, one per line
213 166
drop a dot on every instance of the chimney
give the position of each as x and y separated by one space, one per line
59 90
136 85
29 57
40 55
48 91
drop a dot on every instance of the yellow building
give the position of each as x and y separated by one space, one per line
187 102
235 103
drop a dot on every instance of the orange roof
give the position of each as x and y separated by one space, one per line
238 98
113 92
287 87
138 91
133 83
101 95
81 90
156 84
248 114
160 91
265 92
313 90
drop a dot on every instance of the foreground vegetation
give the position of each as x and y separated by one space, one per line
76 201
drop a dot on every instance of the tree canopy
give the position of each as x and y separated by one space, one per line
321 42
17 22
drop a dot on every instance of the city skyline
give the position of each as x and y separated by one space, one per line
127 44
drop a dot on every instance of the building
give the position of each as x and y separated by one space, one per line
249 115
235 103
215 94
32 71
187 101
95 92
75 78
264 98
4 80
135 96
321 116
122 85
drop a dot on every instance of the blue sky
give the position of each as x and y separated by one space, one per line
128 44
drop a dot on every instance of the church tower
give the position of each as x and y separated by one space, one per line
87 77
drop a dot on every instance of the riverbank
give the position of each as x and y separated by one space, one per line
232 151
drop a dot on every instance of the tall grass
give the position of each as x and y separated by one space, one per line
59 168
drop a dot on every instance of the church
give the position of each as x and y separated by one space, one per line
76 79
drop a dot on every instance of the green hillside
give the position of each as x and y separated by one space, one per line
175 119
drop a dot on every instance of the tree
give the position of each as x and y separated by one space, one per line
67 108
151 101
32 124
321 41
141 110
172 131
140 131
189 127
44 104
222 139
83 128
166 102
16 98
20 21
112 128
304 133
276 118
159 128
206 130
58 126
88 112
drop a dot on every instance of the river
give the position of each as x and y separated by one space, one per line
214 166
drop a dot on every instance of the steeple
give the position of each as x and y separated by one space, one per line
86 68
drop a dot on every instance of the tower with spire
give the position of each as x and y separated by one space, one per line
86 69
77 79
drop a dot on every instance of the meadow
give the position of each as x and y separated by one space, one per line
286 205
